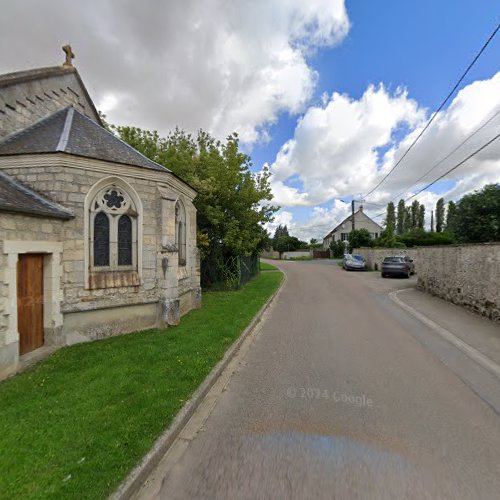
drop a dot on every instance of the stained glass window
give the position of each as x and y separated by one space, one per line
113 199
101 240
125 241
180 233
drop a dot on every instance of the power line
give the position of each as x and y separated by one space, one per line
478 55
489 120
449 170
455 167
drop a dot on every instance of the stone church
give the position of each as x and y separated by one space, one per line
95 238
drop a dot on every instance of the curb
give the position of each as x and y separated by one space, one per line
467 349
140 473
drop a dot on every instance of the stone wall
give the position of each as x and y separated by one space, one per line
166 290
375 256
27 102
272 254
36 233
467 275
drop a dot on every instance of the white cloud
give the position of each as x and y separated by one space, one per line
334 150
217 65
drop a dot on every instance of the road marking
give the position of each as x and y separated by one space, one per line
467 349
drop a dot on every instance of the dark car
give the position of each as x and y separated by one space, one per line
398 266
353 262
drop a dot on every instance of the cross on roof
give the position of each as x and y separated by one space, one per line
69 55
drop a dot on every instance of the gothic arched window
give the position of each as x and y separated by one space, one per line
113 226
101 240
124 241
180 232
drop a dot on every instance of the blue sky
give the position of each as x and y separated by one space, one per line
422 46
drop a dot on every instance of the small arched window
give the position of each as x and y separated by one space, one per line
125 241
101 240
113 223
180 232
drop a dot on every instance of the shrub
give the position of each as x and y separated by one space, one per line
337 248
421 238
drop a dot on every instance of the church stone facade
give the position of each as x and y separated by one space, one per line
95 239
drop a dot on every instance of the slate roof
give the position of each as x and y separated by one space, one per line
349 219
69 131
15 197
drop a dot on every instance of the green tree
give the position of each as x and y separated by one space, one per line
421 217
359 238
390 219
282 244
420 237
440 215
279 231
337 248
232 204
451 216
407 225
478 216
400 224
415 211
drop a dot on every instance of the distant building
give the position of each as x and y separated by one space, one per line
361 221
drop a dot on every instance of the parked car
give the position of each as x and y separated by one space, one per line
353 262
398 266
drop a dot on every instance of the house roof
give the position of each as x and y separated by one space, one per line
19 77
349 219
16 197
69 131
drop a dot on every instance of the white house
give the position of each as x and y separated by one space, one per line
342 231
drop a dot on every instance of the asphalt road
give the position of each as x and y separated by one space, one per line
341 394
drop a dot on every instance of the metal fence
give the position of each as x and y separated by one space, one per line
218 273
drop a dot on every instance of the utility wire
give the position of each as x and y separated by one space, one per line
449 170
455 167
478 55
489 120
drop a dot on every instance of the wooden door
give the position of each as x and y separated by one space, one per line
30 302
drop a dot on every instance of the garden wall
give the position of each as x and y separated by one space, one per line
375 256
272 254
467 275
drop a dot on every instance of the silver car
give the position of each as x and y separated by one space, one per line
353 262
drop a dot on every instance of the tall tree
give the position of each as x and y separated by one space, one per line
478 216
407 220
432 221
359 238
421 217
390 219
280 231
440 215
451 216
400 224
415 210
233 203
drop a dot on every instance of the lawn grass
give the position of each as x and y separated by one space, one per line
74 425
264 266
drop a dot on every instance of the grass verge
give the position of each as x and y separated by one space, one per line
77 423
264 266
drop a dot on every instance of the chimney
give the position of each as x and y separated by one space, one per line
361 208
